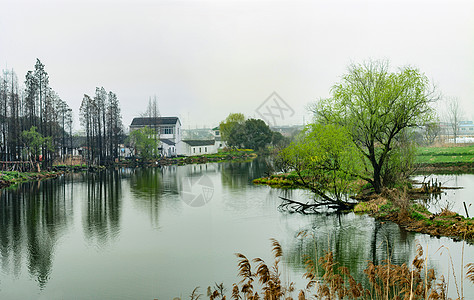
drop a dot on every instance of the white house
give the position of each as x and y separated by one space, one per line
168 128
197 147
466 128
220 144
168 148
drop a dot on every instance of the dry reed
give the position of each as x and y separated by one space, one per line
386 281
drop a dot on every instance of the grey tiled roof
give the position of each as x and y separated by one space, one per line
195 143
169 142
154 121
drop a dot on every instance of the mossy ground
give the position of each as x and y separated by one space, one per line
285 181
415 217
8 178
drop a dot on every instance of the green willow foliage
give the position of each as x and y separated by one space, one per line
144 142
34 142
325 160
377 106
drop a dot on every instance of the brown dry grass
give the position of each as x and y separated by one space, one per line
70 161
387 281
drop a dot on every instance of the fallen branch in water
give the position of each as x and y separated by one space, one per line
305 208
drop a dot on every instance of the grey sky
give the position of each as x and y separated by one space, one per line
205 59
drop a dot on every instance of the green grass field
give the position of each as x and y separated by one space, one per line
454 154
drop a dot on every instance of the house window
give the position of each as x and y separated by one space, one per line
194 150
199 149
167 130
217 132
205 149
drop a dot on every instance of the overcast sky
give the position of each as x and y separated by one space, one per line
205 59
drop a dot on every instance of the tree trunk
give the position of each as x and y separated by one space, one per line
377 184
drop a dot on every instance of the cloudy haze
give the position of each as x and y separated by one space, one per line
205 59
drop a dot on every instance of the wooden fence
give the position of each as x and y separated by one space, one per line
21 166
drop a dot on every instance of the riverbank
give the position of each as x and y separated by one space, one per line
284 181
222 156
10 178
398 206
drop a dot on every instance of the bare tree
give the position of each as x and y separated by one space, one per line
454 115
431 132
102 121
9 116
42 81
87 118
152 110
34 104
4 113
114 124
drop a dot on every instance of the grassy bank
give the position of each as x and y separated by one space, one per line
397 206
221 156
285 180
445 158
9 178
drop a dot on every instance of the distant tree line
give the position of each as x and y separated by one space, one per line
34 107
254 134
36 124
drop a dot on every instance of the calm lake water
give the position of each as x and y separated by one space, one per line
160 232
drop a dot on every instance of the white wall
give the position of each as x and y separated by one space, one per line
187 150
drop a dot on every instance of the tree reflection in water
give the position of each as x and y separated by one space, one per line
238 175
354 240
101 217
33 218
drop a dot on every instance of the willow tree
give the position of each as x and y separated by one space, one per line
377 107
325 161
145 145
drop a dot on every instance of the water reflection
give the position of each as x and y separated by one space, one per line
451 199
101 217
238 175
100 224
354 240
33 218
170 185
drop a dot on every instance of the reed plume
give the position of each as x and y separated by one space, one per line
385 281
